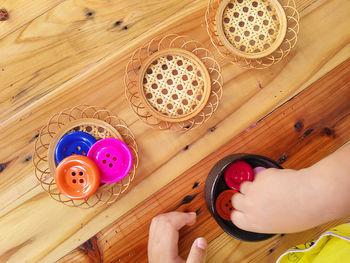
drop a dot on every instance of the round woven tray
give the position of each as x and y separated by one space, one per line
100 124
173 83
253 33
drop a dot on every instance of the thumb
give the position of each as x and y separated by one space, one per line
198 251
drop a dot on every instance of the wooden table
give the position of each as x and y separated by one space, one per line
62 53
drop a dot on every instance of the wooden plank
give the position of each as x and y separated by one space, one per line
297 134
44 236
22 12
72 37
276 90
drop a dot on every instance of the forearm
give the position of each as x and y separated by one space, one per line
338 161
333 176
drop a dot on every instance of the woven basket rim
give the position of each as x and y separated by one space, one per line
131 79
273 47
288 43
107 193
188 55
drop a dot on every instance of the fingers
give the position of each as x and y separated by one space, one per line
179 219
175 219
164 235
239 219
198 251
244 187
238 201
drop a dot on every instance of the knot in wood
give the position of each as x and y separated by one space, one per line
4 15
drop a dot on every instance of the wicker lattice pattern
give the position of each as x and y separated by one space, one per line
273 53
97 131
174 86
107 193
192 87
251 26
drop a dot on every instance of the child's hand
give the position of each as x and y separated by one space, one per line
279 201
282 201
164 237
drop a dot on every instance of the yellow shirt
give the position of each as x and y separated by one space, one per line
332 246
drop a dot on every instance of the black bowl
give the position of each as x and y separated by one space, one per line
215 184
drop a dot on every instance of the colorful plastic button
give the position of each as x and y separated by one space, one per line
258 169
223 204
113 158
77 177
73 143
238 173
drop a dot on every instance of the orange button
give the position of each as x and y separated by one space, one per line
77 177
223 204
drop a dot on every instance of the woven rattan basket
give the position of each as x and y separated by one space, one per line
99 123
173 83
253 33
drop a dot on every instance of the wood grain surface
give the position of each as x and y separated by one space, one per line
58 54
296 135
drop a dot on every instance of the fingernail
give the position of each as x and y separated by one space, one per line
201 243
192 213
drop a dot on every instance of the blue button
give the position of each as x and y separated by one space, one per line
73 143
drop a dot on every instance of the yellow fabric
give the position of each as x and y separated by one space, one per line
332 247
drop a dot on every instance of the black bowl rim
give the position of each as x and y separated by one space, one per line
210 186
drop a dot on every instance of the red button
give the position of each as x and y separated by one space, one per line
223 204
238 173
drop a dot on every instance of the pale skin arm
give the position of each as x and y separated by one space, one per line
164 237
284 201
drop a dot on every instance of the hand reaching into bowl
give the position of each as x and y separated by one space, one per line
284 201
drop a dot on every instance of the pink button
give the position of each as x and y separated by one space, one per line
258 169
238 173
113 158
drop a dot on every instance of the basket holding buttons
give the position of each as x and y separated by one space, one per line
85 157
